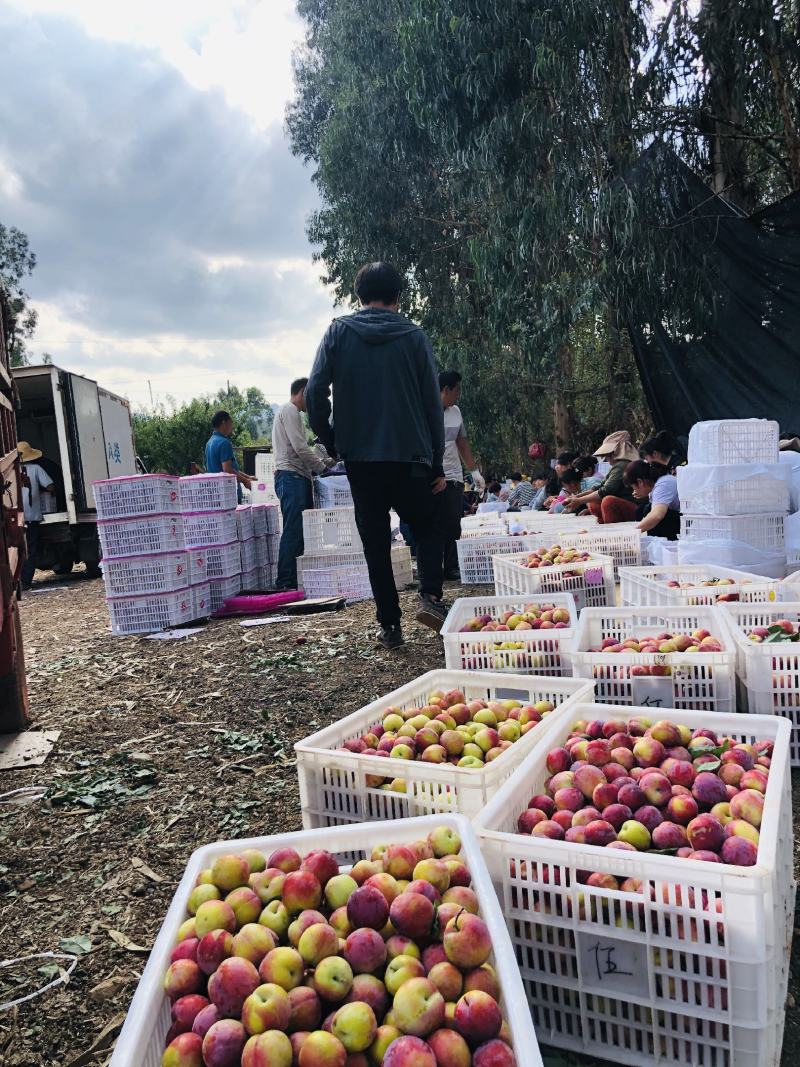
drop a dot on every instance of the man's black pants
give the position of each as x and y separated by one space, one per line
376 489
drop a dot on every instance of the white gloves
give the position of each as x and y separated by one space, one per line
478 480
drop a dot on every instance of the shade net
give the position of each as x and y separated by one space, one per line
746 364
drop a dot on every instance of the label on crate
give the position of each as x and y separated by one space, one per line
612 965
594 576
648 691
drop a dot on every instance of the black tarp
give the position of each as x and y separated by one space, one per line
746 363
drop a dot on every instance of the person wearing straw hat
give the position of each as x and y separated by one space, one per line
35 481
612 501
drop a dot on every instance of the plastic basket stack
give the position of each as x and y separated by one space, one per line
153 578
734 497
333 562
210 525
260 536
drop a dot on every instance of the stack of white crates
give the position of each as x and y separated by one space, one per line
153 579
260 556
210 525
333 562
734 497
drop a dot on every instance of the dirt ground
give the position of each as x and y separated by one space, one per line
164 746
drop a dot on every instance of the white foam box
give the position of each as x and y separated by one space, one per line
691 971
338 786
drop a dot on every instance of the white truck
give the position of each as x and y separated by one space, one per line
85 434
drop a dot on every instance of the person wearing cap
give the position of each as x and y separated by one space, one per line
612 501
34 482
456 451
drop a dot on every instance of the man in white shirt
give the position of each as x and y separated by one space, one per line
34 482
456 452
295 464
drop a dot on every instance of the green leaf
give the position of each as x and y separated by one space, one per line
78 945
712 765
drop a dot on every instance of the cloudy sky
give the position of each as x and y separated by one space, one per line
142 151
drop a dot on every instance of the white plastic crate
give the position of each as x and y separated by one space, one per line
150 534
252 580
262 490
332 492
650 585
259 515
478 524
209 528
476 555
734 441
150 611
591 582
544 652
244 522
163 573
249 554
334 785
208 492
261 549
141 1042
693 970
733 489
620 540
769 672
762 531
223 561
542 522
265 466
330 529
201 600
221 588
345 573
136 494
681 680
272 544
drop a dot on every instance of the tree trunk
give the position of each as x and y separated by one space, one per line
771 45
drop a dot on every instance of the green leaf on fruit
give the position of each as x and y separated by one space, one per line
76 946
712 765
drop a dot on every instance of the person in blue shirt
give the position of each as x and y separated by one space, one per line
220 458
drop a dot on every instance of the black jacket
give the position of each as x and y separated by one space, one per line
386 400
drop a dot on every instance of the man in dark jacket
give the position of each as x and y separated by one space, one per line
388 427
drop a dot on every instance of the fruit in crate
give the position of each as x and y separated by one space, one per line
777 632
554 556
529 617
654 787
447 729
389 965
661 644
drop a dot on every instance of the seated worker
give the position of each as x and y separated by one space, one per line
653 483
522 494
661 448
586 466
570 485
612 501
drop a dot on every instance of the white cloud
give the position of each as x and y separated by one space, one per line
242 47
141 150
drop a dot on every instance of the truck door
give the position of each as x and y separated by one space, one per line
117 435
87 438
